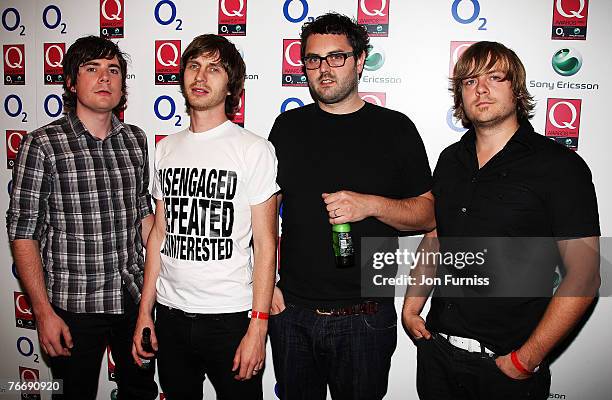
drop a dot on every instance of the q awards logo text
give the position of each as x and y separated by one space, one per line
567 62
111 365
293 74
53 57
13 140
14 64
29 375
378 98
112 22
570 19
23 311
456 50
374 16
563 121
238 118
167 62
232 17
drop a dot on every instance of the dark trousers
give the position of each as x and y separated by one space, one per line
192 346
446 372
91 333
351 354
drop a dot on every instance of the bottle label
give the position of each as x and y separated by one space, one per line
343 244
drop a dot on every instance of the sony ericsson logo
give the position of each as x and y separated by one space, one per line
375 60
567 61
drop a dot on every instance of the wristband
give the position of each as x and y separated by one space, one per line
258 315
518 365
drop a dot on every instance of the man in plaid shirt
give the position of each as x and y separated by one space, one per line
79 213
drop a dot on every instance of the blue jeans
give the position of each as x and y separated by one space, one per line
351 354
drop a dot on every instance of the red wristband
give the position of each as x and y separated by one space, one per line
258 315
518 365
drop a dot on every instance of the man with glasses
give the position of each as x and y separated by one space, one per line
341 160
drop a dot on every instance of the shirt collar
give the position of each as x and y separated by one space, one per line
79 129
521 136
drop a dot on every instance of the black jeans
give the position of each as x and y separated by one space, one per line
191 347
91 333
446 372
351 354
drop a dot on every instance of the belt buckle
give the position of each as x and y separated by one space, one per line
322 312
189 315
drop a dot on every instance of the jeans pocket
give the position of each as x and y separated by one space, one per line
385 318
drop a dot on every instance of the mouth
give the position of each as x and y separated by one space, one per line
326 82
103 92
198 91
483 103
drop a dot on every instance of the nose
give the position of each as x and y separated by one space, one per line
104 75
324 66
201 75
481 86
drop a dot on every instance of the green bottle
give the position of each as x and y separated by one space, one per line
343 245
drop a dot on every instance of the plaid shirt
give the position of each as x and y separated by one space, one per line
83 199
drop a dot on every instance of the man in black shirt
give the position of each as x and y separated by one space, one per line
532 203
340 160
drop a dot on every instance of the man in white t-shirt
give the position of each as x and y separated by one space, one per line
215 191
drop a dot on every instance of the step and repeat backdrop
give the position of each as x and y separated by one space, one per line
414 46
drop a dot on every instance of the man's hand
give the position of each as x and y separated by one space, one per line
251 352
504 363
53 334
144 320
278 302
415 325
345 206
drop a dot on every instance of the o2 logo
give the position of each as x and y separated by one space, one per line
11 21
25 347
13 107
164 115
163 18
465 5
290 9
291 100
453 123
51 110
52 18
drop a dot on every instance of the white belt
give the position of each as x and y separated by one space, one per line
471 345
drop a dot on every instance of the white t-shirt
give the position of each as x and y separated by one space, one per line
208 181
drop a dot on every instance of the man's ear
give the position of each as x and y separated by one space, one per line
69 85
361 62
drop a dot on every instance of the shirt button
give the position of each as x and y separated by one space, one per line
464 210
449 306
474 180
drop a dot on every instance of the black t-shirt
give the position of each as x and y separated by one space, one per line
533 188
372 151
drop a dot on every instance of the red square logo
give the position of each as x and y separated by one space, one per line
374 16
570 19
563 121
232 17
456 50
238 118
53 58
24 317
167 62
293 74
112 20
13 141
14 64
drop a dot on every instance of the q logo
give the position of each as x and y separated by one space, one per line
12 62
167 21
116 16
375 60
58 56
567 61
567 124
291 55
171 113
303 14
58 108
376 98
291 100
572 13
165 61
373 13
233 13
475 5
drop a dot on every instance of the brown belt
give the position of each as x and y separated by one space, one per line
367 308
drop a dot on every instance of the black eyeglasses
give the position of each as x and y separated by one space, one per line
334 60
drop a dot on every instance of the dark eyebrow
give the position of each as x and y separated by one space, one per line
331 52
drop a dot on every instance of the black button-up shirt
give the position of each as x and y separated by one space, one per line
532 188
83 199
